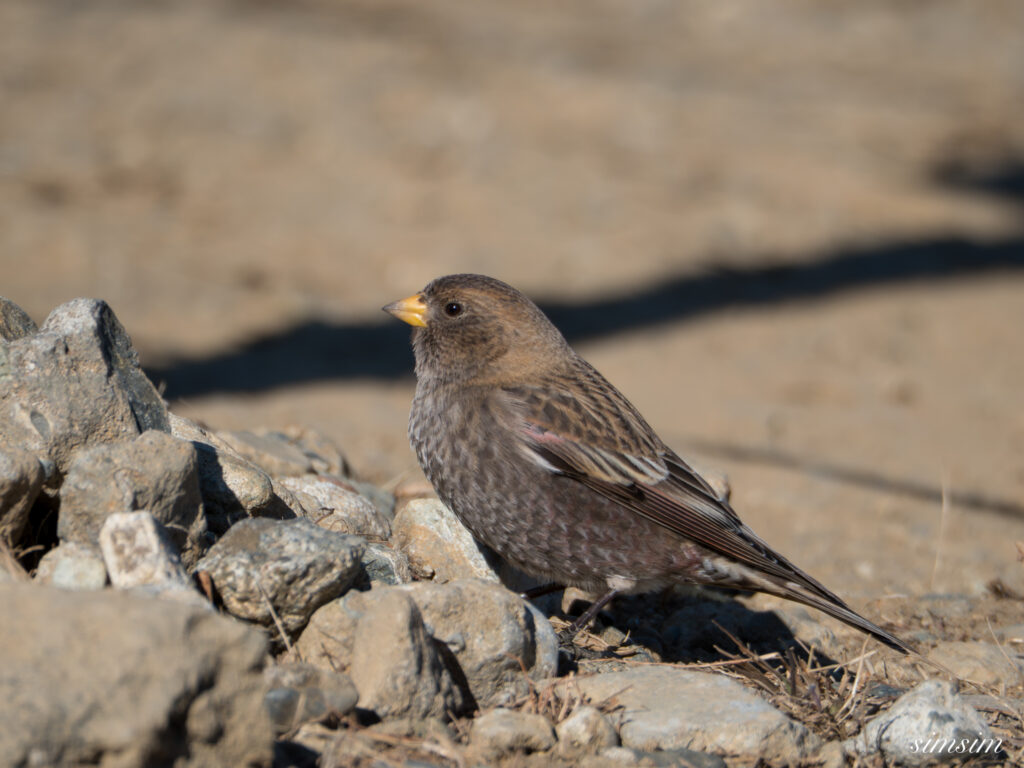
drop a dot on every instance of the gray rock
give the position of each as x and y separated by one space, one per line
397 666
76 383
669 708
232 487
501 731
154 472
21 477
585 730
493 634
291 565
490 633
331 505
138 552
272 451
106 678
379 639
14 321
979 662
921 726
438 546
300 693
72 566
384 565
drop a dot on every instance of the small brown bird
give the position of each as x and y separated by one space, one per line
549 465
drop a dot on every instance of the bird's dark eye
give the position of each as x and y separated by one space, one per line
453 308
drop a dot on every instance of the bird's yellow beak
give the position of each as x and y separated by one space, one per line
412 310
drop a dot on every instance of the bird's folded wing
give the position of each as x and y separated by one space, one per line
665 490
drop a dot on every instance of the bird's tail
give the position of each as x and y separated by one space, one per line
834 607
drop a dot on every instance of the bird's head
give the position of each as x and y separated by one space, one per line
475 328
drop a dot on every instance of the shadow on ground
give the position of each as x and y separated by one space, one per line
316 351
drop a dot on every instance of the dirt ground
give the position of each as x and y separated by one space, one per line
791 232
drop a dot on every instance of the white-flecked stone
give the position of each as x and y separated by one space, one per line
908 732
138 552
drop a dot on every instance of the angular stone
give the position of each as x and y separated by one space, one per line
138 552
668 708
493 634
14 321
501 731
72 566
384 566
21 478
331 505
920 726
154 472
490 633
379 639
76 383
108 678
438 546
232 487
397 666
291 565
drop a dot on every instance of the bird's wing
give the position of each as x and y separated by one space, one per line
603 443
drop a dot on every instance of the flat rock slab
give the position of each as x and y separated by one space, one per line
664 708
107 678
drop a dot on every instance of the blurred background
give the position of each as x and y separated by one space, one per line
791 232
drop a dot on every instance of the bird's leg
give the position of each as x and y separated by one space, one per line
592 611
543 589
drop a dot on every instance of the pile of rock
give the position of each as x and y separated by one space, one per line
215 598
